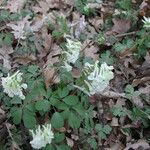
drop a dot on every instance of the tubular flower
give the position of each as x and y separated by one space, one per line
97 78
72 53
12 85
42 136
146 22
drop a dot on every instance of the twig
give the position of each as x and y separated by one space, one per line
89 43
126 34
10 134
112 94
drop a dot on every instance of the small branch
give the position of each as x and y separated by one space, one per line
126 34
112 94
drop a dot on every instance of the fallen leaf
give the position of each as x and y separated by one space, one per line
97 22
120 26
70 142
15 5
91 51
143 80
19 28
116 146
79 24
49 71
44 6
5 51
2 111
50 76
76 73
24 59
140 144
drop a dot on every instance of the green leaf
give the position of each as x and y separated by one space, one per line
65 114
98 127
79 109
107 129
54 101
43 105
59 137
119 111
29 118
129 89
125 4
16 115
63 92
36 91
74 121
49 147
92 143
63 147
62 106
16 100
33 69
57 120
8 40
107 57
103 130
71 100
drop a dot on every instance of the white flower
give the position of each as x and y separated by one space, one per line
72 52
97 78
146 22
42 136
67 66
12 85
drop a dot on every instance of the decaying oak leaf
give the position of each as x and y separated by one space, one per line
49 71
78 24
97 22
20 27
70 142
43 42
120 26
15 5
50 76
90 50
143 80
4 55
141 144
76 73
24 59
44 6
38 23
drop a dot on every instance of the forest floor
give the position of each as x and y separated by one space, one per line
34 39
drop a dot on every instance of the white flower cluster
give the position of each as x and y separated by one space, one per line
12 85
146 22
71 54
97 78
42 136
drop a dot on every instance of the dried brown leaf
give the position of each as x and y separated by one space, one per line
114 122
143 80
70 142
91 51
50 76
76 73
49 71
19 27
140 144
120 26
15 5
97 22
44 6
5 51
24 59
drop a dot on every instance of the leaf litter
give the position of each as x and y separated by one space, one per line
38 27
